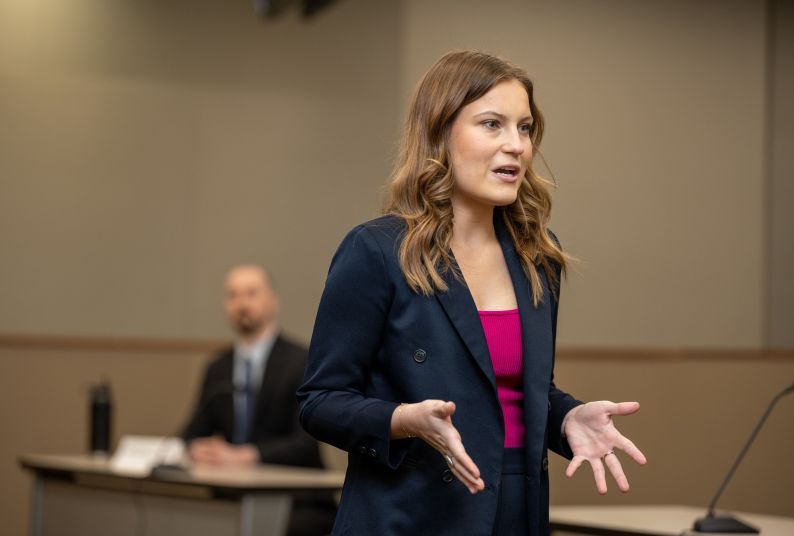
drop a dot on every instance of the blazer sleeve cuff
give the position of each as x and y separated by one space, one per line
557 440
378 445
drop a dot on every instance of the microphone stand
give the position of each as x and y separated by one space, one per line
726 523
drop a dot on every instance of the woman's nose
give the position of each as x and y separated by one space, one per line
514 143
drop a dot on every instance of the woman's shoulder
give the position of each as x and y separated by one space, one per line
368 248
388 225
377 238
385 229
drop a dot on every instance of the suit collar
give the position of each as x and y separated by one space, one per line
537 340
459 306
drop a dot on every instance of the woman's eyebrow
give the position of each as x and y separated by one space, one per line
503 116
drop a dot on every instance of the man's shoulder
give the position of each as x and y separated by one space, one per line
288 357
286 344
223 357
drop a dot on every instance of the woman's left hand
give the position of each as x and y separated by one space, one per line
594 438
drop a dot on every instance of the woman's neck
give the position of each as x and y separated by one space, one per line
472 225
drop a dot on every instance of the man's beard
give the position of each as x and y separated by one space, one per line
246 325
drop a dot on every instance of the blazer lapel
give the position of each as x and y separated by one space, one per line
536 340
272 377
225 396
462 312
535 322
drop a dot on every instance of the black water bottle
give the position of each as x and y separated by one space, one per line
101 419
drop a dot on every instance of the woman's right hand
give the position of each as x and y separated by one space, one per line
431 421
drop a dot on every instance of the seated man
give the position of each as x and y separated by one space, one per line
246 412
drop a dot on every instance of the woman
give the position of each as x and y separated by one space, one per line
432 356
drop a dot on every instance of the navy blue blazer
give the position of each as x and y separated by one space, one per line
377 343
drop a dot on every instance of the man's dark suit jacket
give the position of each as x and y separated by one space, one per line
377 343
275 431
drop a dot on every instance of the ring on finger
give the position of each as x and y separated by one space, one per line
450 460
607 454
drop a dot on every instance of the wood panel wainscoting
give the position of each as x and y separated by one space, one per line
188 345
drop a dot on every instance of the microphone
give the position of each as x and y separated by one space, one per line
727 523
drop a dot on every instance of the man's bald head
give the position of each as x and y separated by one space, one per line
251 305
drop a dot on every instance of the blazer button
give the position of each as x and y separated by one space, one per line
545 463
373 453
420 356
362 450
446 476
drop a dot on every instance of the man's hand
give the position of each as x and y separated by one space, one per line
216 451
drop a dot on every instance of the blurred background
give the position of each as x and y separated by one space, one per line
148 145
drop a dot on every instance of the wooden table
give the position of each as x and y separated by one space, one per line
656 520
82 495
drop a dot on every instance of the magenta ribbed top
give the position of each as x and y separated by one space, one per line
503 335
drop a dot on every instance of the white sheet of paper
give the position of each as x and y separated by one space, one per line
136 455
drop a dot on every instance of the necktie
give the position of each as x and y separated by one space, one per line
244 406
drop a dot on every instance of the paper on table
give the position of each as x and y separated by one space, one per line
137 455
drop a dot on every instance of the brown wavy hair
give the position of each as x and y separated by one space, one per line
422 182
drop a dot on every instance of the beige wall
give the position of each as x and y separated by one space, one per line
145 146
780 192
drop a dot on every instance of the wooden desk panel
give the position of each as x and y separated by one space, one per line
83 496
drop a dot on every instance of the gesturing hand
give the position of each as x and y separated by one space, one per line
431 421
593 438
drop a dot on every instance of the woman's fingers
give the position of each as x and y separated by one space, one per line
599 474
623 408
447 441
574 465
468 474
627 446
461 460
474 485
431 420
462 466
591 433
449 444
613 463
442 410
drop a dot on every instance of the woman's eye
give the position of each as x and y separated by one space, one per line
526 128
490 123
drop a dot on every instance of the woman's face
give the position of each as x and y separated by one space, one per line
490 147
